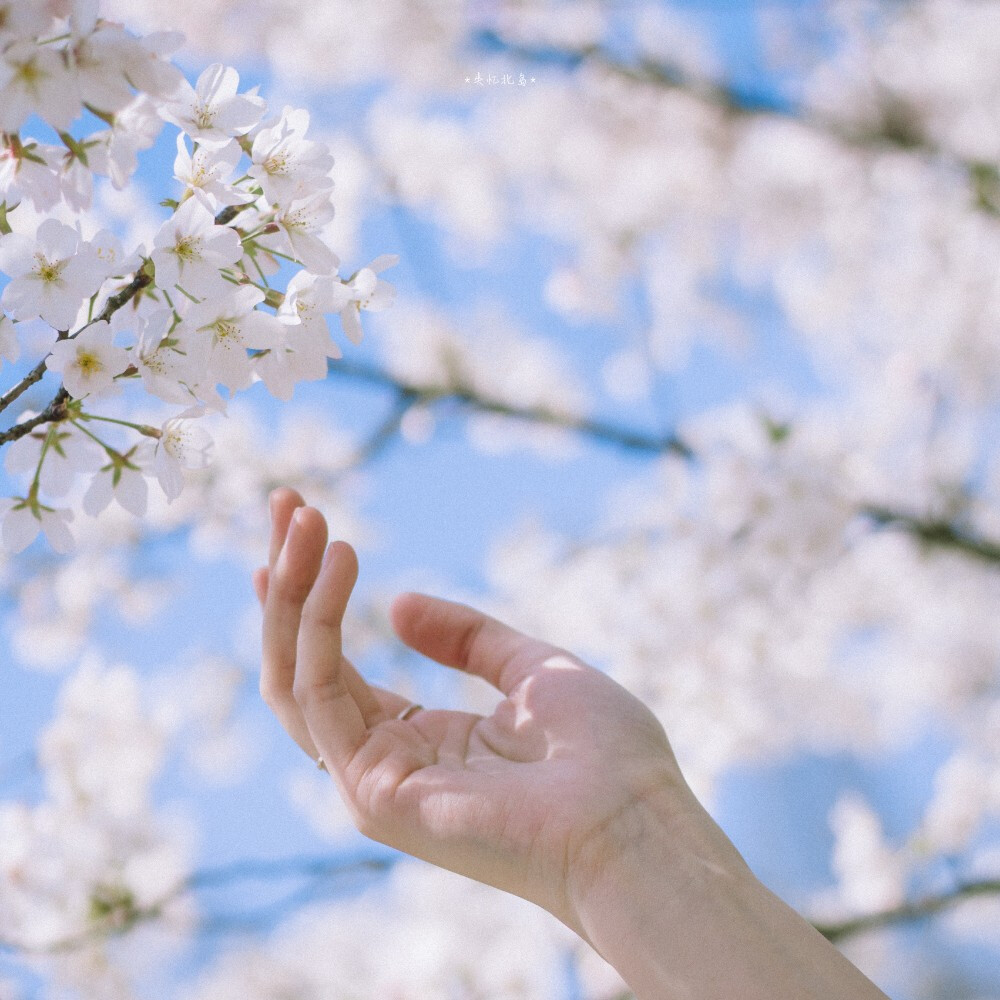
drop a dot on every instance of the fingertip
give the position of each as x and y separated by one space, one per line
283 496
342 560
282 503
403 611
259 579
307 526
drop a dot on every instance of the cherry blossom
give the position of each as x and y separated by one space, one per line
233 325
24 518
21 20
89 361
115 151
193 330
190 248
170 360
51 275
300 226
35 80
183 444
308 299
301 358
206 172
212 112
286 164
66 452
122 479
366 290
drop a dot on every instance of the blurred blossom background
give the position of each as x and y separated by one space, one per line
694 369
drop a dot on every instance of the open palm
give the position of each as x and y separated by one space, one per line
527 798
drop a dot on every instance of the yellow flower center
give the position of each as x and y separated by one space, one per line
89 363
204 115
48 270
28 73
276 163
227 334
187 248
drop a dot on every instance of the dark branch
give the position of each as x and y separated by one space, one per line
315 876
621 437
931 532
920 909
124 917
126 294
898 127
54 412
941 534
35 375
384 434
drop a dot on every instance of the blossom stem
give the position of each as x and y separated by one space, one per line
260 271
54 39
152 432
112 452
33 489
283 256
186 295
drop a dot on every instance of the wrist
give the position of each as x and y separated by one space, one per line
664 852
670 903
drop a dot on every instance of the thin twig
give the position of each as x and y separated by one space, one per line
920 909
315 869
932 532
251 870
54 412
598 430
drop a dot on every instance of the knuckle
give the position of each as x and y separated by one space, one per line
316 617
270 692
364 822
309 693
288 588
467 642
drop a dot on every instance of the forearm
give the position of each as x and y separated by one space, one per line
680 916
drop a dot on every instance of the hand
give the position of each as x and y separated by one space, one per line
567 795
534 799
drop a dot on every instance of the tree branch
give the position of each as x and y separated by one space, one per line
384 433
934 533
460 392
324 870
920 909
56 410
898 128
126 916
35 375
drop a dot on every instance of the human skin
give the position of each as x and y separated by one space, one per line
568 794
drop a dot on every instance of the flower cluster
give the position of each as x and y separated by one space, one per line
234 288
99 758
